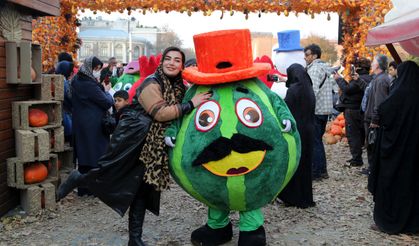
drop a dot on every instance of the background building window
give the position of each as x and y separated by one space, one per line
104 50
118 51
86 50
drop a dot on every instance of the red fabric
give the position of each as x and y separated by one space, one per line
147 67
273 71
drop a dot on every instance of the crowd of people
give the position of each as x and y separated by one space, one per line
379 104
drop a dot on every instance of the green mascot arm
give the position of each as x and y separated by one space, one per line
282 110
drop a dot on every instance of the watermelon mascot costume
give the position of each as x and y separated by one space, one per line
237 151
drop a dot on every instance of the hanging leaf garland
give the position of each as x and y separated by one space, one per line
57 34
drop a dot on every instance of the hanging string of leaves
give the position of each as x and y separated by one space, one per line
57 34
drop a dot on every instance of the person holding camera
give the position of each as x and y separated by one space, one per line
350 104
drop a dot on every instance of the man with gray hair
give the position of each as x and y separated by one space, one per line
378 92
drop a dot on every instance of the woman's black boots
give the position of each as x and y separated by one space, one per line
73 180
135 221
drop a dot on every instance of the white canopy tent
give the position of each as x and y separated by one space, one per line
401 25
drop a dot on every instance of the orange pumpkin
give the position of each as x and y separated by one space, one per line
37 117
35 173
338 138
342 123
340 117
344 131
330 139
33 74
336 122
336 130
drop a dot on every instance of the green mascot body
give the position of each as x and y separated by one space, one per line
237 151
257 175
126 81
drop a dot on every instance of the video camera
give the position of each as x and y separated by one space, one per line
272 77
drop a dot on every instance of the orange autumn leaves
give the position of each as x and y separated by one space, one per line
57 34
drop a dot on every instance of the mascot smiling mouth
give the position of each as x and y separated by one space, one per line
232 157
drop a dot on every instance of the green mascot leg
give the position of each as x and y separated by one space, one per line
217 231
251 220
252 232
217 218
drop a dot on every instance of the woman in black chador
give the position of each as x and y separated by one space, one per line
301 102
394 178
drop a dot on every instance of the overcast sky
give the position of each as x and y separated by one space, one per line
187 26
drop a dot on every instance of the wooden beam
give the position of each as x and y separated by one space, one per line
40 7
394 53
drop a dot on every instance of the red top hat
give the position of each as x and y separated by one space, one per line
222 57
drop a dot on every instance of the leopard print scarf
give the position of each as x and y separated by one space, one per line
154 154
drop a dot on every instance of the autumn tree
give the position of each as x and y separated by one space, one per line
189 53
166 37
329 53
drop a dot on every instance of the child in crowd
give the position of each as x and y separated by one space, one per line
121 99
110 122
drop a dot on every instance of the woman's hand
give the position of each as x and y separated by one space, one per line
355 76
107 86
336 76
200 98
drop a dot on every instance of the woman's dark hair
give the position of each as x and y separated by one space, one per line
96 62
393 64
173 48
362 65
315 50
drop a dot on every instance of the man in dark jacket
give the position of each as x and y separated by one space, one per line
350 102
377 94
110 72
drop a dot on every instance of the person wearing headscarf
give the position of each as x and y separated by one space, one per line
393 180
90 101
301 101
63 56
65 68
134 169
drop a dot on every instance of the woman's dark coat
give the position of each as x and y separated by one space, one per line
120 175
90 102
301 102
394 178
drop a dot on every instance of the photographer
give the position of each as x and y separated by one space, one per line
350 104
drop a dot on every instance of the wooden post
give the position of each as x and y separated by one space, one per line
394 53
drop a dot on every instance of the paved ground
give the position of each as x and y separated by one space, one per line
343 216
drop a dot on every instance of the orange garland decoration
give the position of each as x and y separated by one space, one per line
57 34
